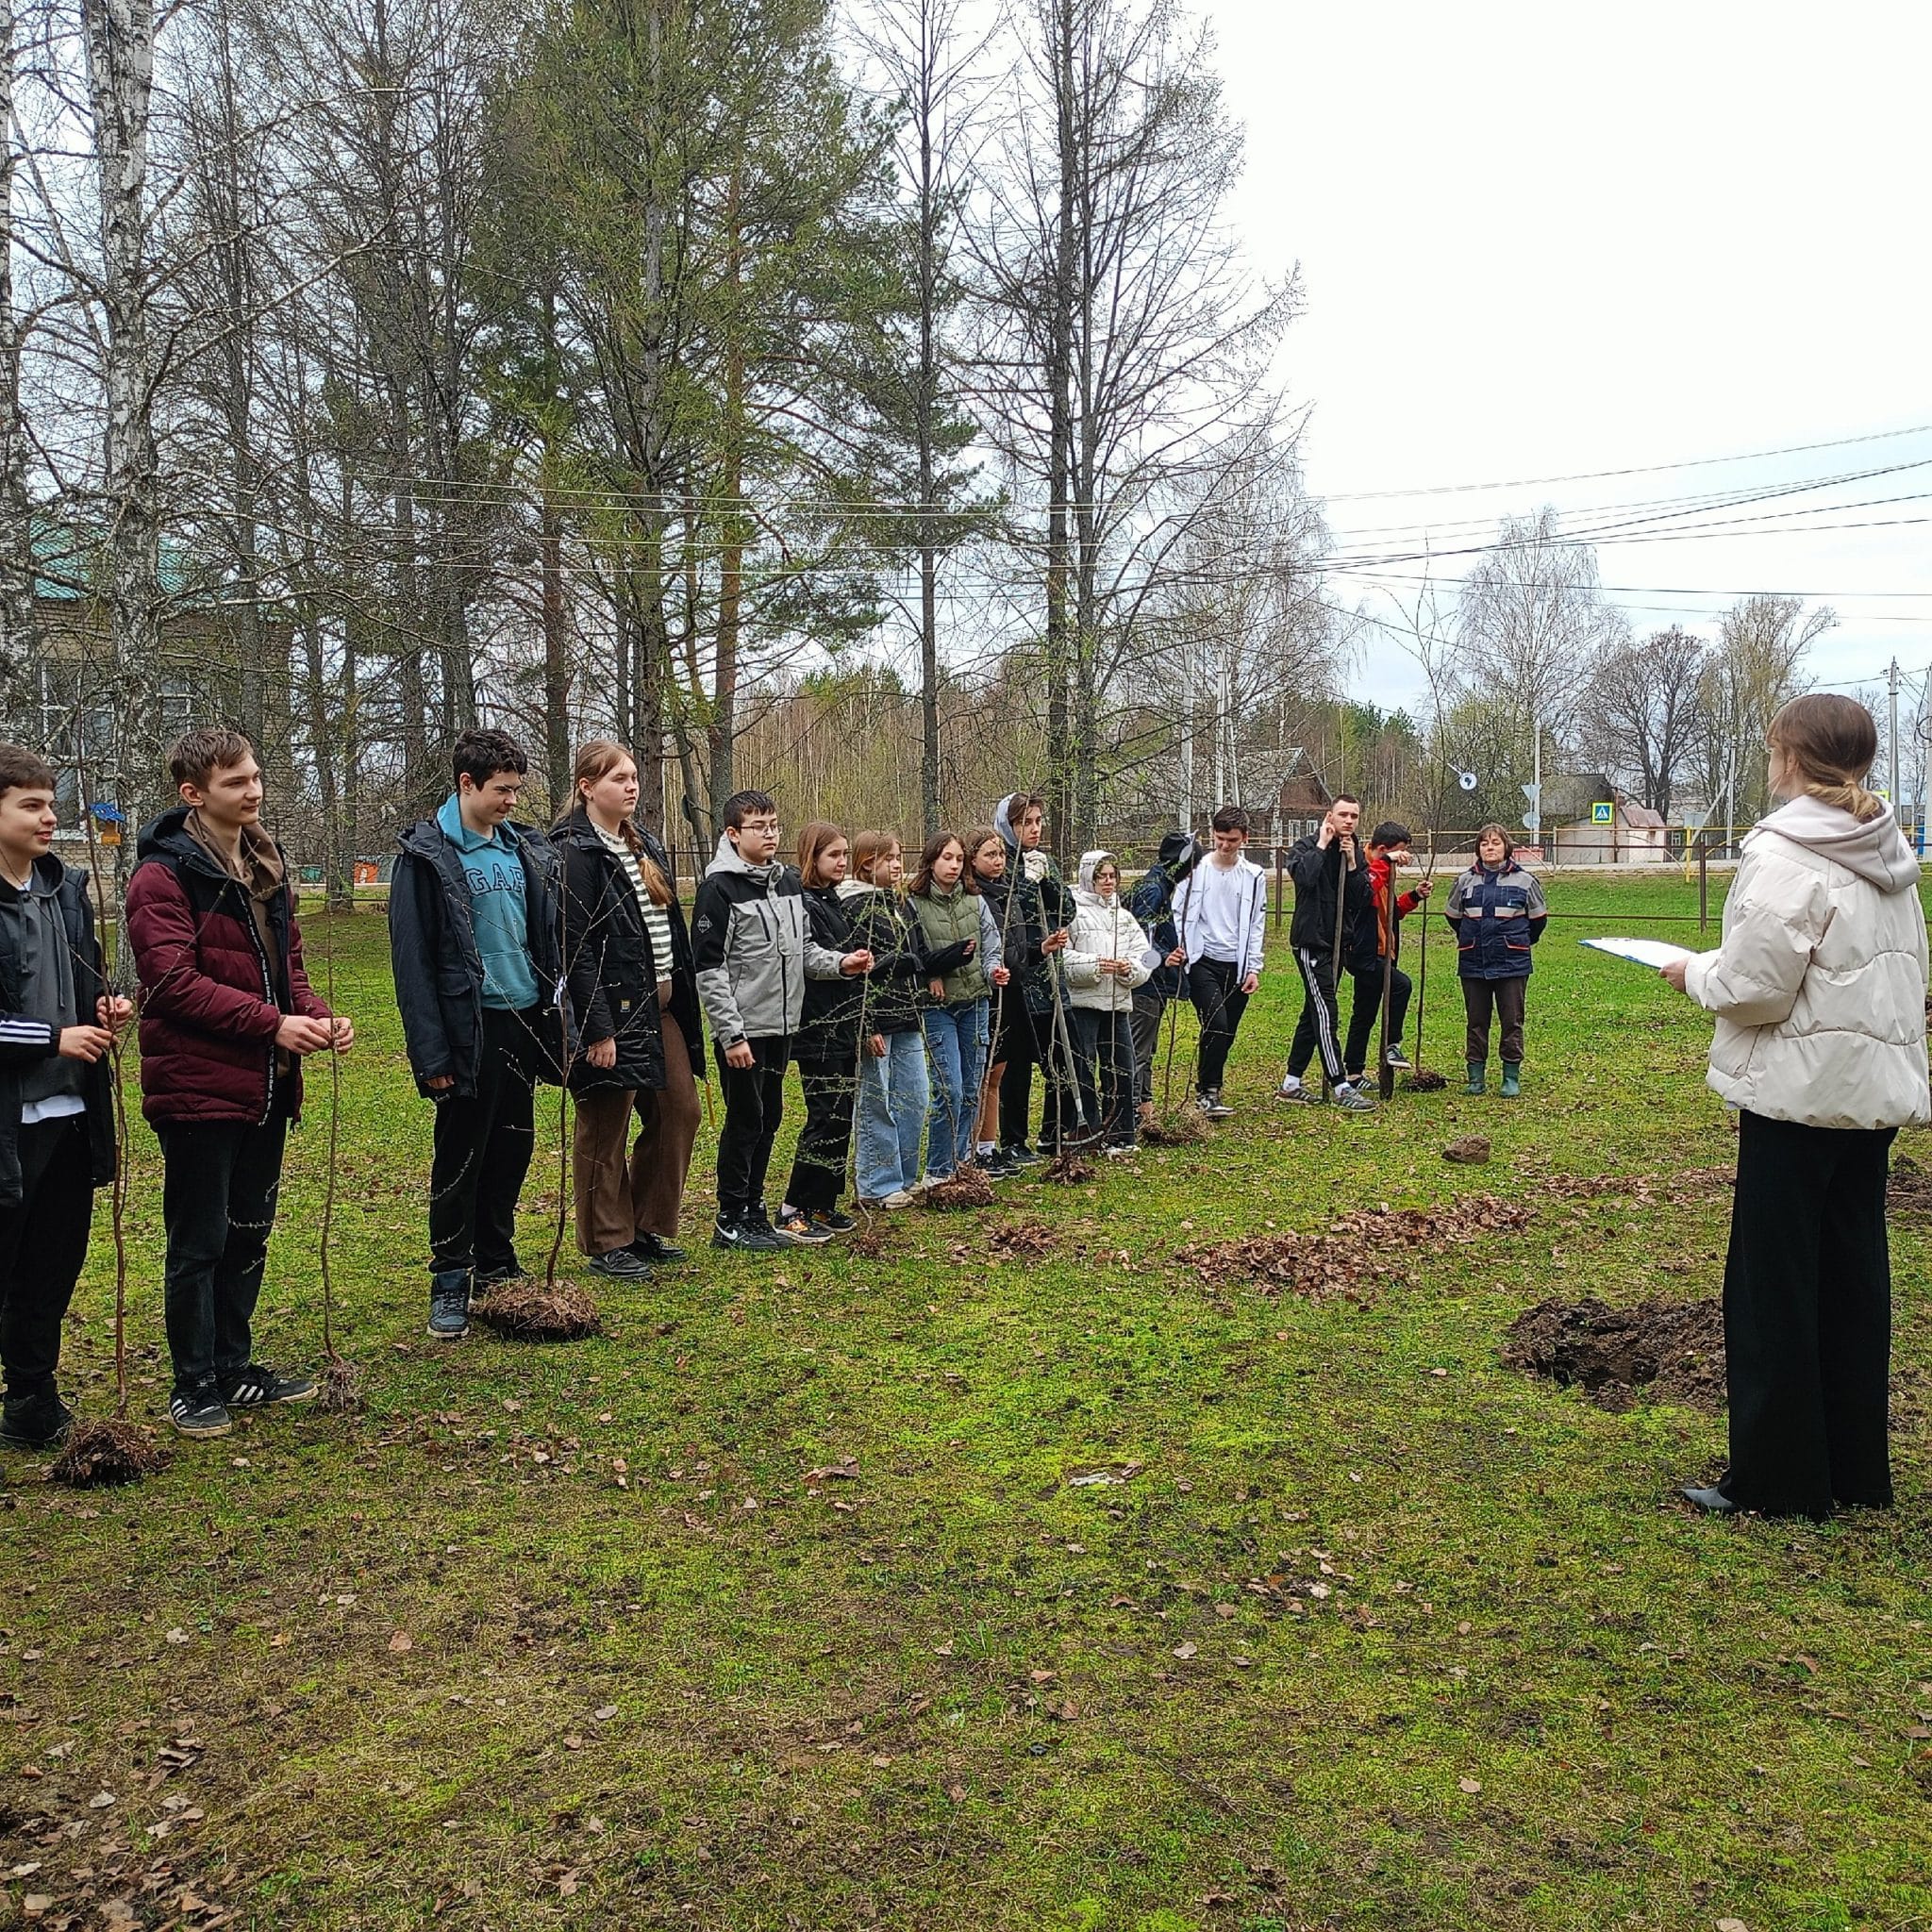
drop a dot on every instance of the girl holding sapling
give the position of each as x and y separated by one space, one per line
1108 958
894 1092
963 962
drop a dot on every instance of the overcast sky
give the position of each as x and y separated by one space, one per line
1538 240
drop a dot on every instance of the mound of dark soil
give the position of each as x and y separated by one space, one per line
1671 1351
1909 1190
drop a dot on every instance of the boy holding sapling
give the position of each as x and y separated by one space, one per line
57 1116
227 1018
753 949
474 940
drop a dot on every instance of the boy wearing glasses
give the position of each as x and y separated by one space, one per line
753 951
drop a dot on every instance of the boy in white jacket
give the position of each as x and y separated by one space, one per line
1109 957
1221 914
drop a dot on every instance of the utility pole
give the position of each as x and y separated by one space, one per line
1891 770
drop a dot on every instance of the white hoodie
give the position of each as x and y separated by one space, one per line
1820 984
1105 929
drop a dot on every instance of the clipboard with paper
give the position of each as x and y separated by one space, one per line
1656 954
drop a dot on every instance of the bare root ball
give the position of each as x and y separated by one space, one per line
1021 1241
528 1310
1067 1169
969 1187
1424 1081
113 1450
341 1387
1175 1126
1470 1151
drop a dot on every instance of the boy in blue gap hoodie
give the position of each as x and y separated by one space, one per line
473 928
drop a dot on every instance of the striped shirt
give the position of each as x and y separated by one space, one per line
657 920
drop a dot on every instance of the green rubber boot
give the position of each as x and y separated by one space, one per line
1512 1079
1476 1070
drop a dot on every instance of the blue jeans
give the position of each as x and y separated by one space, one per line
955 1038
893 1093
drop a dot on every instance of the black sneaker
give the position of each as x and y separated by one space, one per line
35 1422
257 1384
200 1412
449 1305
487 1278
795 1224
833 1222
746 1234
1021 1156
1396 1057
653 1248
619 1264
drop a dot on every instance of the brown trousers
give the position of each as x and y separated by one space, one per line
618 1200
1506 996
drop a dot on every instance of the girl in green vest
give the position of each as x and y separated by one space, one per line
961 940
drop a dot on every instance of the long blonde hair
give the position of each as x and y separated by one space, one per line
1830 742
597 758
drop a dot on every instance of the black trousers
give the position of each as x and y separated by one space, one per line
1215 987
483 1143
1319 1029
1506 997
754 1105
1149 1009
219 1186
1808 1318
818 1168
1032 1040
1107 1075
43 1248
1365 1016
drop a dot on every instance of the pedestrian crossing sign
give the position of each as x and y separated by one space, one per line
1602 811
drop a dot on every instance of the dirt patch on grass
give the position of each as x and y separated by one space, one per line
1686 1184
1355 1256
1910 1189
1671 1351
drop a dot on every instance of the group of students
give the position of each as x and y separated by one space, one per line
916 1008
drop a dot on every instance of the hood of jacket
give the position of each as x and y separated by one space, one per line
728 858
1876 849
1090 863
449 822
1179 854
1003 822
850 890
169 837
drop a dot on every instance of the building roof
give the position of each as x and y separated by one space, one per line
70 563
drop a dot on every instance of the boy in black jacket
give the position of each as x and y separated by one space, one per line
57 1118
1331 883
1151 902
475 943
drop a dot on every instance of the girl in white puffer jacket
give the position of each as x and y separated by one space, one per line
1820 993
1109 956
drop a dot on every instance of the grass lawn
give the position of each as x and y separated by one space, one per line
1375 1633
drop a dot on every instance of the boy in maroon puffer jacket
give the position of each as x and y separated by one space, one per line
227 1014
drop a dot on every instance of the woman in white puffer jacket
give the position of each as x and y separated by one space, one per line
1820 993
1109 957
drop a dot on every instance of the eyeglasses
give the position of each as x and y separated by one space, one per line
760 826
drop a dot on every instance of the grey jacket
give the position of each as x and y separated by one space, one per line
753 948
